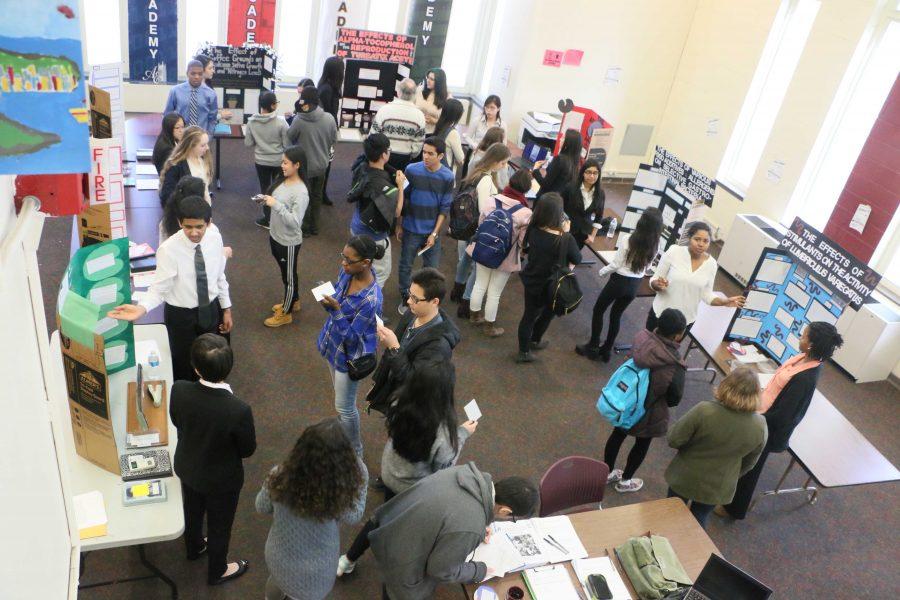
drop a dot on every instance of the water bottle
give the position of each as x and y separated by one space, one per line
152 373
612 228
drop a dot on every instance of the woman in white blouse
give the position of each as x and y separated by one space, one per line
430 98
490 117
685 277
627 267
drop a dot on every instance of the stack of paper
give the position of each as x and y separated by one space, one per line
550 583
601 565
531 543
90 515
751 355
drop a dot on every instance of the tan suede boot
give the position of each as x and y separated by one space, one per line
492 331
278 319
476 317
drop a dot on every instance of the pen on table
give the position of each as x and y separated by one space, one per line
557 543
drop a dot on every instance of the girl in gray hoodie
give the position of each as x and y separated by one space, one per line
287 199
266 133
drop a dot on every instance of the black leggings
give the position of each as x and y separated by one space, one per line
286 256
536 318
361 541
619 292
635 457
266 175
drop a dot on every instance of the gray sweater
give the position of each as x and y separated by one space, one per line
287 213
302 553
424 535
399 474
267 134
316 132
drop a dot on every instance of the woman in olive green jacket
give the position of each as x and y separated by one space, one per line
717 442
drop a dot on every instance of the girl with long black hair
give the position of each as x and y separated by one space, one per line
287 199
432 96
330 88
562 170
445 128
169 136
423 438
627 268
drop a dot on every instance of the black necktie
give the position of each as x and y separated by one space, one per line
204 309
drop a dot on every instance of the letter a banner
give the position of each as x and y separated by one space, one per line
153 41
251 22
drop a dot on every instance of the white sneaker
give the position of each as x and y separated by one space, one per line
345 565
614 476
629 485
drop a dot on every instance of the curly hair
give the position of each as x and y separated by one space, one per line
321 478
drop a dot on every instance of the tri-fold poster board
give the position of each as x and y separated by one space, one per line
374 63
808 278
681 193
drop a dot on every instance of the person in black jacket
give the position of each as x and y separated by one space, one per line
784 402
330 88
169 136
584 202
191 156
425 334
563 168
547 239
215 432
658 351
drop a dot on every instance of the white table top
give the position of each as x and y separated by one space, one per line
127 525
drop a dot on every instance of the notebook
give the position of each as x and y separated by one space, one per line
550 583
90 515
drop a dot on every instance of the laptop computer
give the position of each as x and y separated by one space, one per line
721 580
530 155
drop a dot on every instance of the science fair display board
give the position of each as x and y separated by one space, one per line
808 278
681 193
374 63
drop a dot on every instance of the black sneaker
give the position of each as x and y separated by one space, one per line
524 357
261 222
539 345
588 351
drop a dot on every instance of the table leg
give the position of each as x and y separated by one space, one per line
157 574
218 161
691 345
812 492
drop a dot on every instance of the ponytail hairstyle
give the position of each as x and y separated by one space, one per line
296 155
496 153
186 186
450 116
643 243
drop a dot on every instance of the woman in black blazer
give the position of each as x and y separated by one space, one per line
584 201
792 386
191 156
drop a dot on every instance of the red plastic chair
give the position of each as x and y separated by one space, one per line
573 484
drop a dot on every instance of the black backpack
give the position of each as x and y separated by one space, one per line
563 292
372 210
464 212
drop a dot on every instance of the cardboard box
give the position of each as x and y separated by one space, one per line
101 113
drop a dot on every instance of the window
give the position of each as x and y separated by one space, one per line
202 25
292 43
780 55
383 16
102 28
468 38
860 97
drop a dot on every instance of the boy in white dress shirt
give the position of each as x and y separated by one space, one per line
190 280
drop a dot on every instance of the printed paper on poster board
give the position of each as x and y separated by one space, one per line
695 183
833 266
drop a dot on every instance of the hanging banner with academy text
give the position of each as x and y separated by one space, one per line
251 22
692 181
429 21
153 41
834 267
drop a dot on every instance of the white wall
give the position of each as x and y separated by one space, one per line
36 557
644 38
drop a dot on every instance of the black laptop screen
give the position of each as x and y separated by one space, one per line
720 580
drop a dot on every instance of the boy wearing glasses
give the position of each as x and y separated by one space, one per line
424 334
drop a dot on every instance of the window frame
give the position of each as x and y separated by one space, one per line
747 119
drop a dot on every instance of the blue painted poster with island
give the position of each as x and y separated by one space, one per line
153 41
43 109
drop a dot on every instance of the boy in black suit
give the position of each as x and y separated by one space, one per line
215 432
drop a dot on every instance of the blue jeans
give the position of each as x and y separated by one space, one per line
345 405
698 509
465 268
409 246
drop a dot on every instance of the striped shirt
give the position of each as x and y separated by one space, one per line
429 194
349 332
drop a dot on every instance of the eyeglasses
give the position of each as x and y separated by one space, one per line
416 300
591 172
347 261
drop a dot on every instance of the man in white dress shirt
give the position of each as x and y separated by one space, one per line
190 280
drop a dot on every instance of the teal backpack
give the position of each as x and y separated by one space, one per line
622 400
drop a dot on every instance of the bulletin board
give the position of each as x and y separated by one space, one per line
783 297
242 67
374 63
